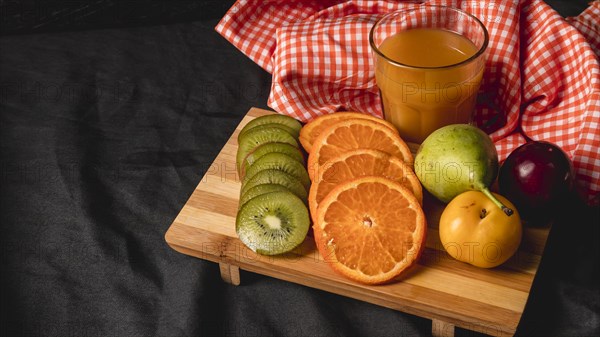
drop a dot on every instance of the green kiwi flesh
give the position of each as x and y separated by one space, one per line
288 121
259 190
273 223
267 148
259 136
272 176
282 162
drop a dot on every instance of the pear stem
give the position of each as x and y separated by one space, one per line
495 200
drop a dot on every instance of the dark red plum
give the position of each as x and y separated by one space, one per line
536 177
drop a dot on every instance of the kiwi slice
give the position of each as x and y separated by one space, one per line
272 176
288 121
273 223
282 162
285 128
259 190
267 148
259 136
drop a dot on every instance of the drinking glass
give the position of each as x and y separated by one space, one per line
422 87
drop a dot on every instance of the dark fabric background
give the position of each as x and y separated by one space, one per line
106 127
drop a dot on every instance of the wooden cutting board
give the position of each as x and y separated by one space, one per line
448 292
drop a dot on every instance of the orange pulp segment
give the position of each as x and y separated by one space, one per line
355 134
315 127
359 163
370 229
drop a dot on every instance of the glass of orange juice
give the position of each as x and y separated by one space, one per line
429 61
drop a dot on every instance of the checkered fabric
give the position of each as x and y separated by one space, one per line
541 82
588 23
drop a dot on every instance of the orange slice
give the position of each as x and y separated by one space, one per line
355 134
370 229
313 129
359 163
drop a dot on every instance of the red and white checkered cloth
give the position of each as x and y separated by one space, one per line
542 77
588 23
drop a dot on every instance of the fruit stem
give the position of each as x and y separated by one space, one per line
495 200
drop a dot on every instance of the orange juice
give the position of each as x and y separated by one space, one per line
427 79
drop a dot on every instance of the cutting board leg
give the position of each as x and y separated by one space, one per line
230 273
441 328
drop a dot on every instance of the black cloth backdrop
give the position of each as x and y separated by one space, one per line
107 124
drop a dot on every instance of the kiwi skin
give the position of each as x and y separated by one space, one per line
288 121
285 128
282 162
273 223
275 147
259 190
259 136
272 176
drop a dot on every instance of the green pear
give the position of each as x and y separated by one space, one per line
455 159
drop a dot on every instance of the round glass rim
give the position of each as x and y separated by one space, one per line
469 60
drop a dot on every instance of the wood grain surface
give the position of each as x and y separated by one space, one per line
440 288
